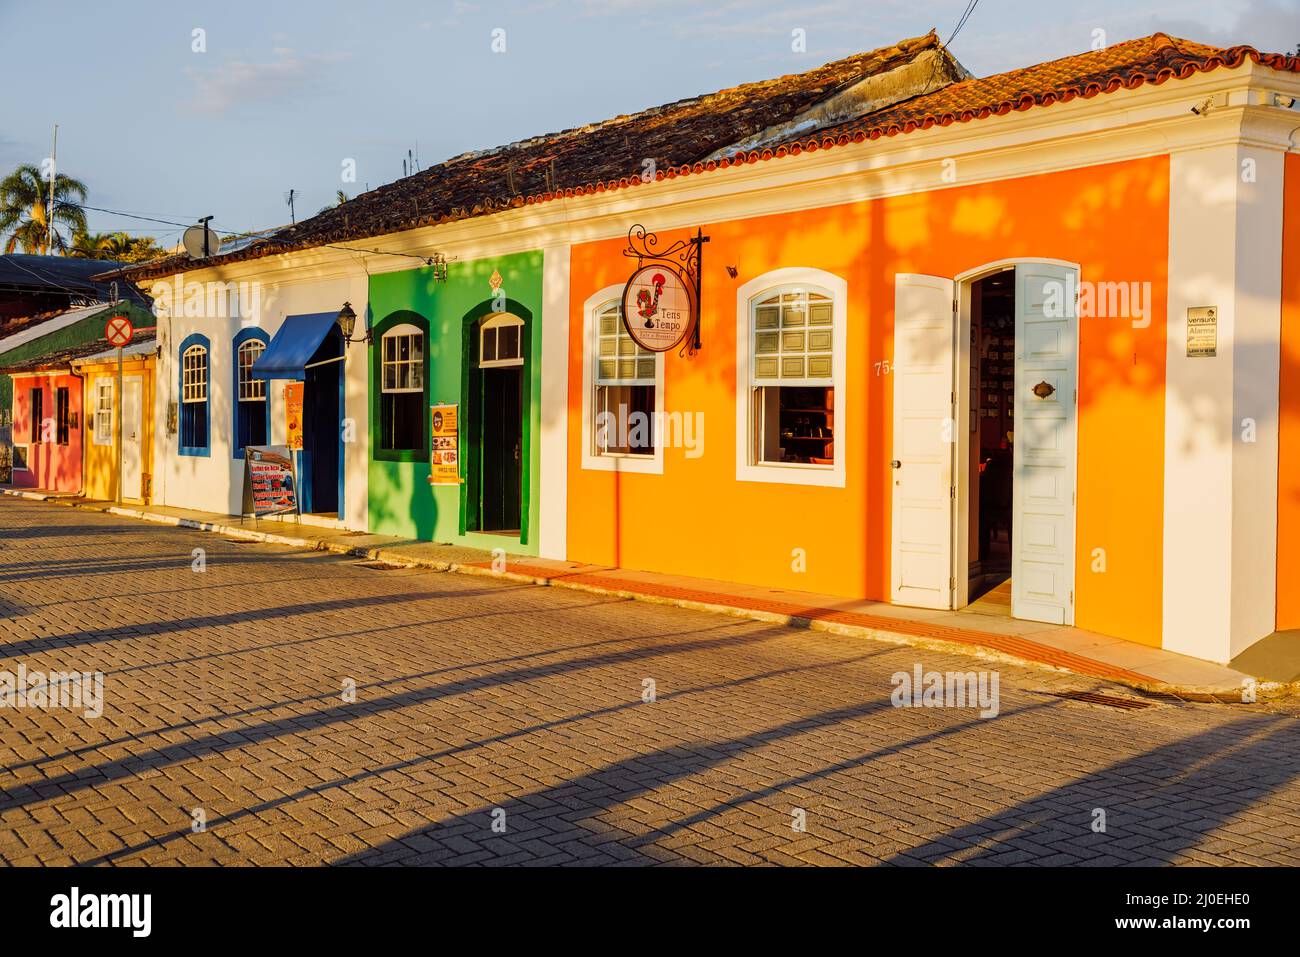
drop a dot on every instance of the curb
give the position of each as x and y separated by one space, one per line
1143 683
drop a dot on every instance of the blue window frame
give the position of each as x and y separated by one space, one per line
195 381
252 409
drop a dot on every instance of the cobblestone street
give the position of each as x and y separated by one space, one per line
501 723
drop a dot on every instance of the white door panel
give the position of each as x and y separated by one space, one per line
1042 574
132 426
921 553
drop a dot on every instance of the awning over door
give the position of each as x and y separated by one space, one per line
293 346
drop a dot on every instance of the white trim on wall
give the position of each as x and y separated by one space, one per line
642 464
553 461
747 471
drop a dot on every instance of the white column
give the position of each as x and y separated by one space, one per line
553 494
1220 502
356 408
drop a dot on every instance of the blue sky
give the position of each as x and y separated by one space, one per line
287 91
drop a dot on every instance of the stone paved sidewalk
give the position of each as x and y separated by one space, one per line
481 702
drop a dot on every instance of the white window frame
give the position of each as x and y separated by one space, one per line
198 383
612 461
256 386
498 321
405 329
747 296
102 385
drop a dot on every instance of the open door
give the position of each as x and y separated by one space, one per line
922 465
1042 549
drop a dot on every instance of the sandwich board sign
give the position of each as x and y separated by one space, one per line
269 486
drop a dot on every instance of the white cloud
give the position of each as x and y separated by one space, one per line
237 81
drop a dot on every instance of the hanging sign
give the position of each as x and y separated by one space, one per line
1202 331
661 301
269 481
444 447
657 308
293 415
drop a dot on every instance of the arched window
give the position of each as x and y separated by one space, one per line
790 338
194 380
251 416
501 341
402 389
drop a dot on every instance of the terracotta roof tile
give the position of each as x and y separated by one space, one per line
60 359
593 158
679 136
1124 66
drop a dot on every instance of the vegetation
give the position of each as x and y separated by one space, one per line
25 210
25 222
119 247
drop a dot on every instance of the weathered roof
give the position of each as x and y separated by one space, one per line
27 271
46 323
1125 66
612 151
692 136
140 342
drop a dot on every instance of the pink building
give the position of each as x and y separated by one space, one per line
47 419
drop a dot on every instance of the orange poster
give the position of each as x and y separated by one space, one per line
444 447
293 414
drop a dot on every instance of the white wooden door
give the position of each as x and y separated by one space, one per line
1042 540
132 442
922 465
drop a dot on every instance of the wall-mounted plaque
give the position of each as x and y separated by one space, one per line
1202 331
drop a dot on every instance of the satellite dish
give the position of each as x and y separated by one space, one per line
194 238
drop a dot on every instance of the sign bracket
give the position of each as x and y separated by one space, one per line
684 257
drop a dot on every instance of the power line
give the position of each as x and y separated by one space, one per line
961 22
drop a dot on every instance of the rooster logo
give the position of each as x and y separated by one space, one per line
646 305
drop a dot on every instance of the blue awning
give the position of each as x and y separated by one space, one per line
293 346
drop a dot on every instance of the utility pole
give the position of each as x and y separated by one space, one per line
49 206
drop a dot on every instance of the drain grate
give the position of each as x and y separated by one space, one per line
1108 701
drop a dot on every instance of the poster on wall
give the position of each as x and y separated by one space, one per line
269 481
293 415
444 449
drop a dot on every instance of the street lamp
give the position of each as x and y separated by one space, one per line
347 321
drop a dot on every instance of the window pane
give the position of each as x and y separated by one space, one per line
625 420
794 425
489 345
508 342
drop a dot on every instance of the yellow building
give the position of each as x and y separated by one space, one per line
100 465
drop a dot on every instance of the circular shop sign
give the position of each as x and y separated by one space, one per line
657 308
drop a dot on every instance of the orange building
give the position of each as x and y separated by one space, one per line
965 341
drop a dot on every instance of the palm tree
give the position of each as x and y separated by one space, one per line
89 245
24 210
